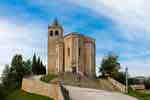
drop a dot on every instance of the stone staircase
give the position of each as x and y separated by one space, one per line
84 82
106 85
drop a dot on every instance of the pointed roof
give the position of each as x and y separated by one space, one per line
55 24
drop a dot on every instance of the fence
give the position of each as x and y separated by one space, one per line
65 93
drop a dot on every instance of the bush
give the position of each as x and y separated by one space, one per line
147 84
2 94
47 78
139 96
5 91
120 77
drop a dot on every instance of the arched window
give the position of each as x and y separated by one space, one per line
56 33
51 33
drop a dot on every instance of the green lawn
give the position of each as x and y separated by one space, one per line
140 96
22 95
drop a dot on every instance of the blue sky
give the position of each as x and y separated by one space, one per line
119 26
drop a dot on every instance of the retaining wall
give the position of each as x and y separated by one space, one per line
41 88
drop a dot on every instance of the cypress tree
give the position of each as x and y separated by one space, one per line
34 63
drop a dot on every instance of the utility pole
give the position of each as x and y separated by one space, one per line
126 72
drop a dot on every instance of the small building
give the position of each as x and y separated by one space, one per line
138 87
73 52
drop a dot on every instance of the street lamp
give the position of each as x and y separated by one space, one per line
126 72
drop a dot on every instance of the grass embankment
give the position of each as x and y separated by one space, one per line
22 95
47 78
140 96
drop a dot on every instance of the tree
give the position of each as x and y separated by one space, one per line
147 83
6 71
110 65
37 66
18 68
13 75
40 67
121 77
34 64
43 68
2 93
27 67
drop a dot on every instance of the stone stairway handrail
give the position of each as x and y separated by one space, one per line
117 84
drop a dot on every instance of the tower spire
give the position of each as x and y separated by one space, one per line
55 23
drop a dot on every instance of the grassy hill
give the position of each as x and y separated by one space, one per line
140 96
22 95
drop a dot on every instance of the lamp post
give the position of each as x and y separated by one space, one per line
126 72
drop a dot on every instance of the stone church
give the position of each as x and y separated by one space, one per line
73 52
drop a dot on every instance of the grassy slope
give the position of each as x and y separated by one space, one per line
140 96
22 95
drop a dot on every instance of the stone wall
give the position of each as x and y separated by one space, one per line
138 87
41 88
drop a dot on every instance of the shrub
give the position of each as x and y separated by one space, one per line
2 94
47 78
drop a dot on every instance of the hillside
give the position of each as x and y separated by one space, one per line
140 96
22 95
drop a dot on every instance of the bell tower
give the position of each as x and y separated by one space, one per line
55 33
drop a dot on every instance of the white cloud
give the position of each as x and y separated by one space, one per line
131 15
21 38
137 67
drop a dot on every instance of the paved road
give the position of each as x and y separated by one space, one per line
77 93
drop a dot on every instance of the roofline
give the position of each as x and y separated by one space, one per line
78 34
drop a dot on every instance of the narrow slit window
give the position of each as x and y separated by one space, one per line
79 51
68 51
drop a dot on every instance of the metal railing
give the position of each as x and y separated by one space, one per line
65 92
